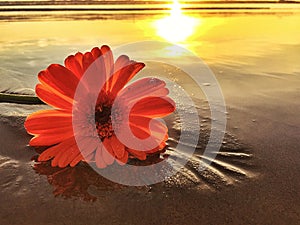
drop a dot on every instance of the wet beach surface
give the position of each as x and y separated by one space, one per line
254 186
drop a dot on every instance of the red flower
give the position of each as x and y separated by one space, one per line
54 127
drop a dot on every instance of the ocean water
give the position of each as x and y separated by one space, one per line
255 40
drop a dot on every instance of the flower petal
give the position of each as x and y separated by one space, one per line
74 64
153 107
140 127
64 153
160 147
49 153
113 144
53 98
108 157
98 157
47 119
122 161
120 63
139 132
144 87
96 52
76 160
90 145
90 158
123 76
141 155
66 156
59 78
46 139
87 60
108 59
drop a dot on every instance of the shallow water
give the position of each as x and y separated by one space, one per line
255 58
221 40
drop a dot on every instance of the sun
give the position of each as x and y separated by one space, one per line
176 27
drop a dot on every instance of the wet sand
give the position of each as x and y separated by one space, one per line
269 196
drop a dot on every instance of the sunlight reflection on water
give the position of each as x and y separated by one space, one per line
253 42
176 27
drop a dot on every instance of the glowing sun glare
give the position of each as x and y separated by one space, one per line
176 27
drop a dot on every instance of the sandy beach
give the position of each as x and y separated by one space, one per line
255 178
268 196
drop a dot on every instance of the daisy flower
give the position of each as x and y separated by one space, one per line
98 123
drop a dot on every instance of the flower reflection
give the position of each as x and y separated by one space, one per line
75 181
176 27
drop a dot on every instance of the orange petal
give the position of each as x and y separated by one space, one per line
47 119
120 63
114 146
140 127
144 87
153 107
59 78
87 60
160 147
65 156
108 157
96 52
54 150
69 155
141 155
79 57
98 157
54 99
54 161
124 159
49 153
76 160
139 132
49 139
124 75
74 65
90 157
108 59
90 145
99 67
59 131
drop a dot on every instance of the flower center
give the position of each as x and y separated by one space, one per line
103 121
